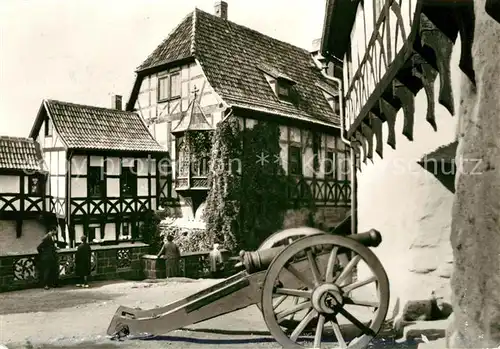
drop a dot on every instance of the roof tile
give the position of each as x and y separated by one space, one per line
20 154
232 57
89 127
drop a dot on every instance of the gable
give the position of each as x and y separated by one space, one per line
232 56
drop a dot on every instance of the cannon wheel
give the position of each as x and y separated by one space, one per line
327 293
287 236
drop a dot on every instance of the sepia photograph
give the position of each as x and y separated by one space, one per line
249 174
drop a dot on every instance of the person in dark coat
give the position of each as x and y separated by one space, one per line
48 259
170 251
83 262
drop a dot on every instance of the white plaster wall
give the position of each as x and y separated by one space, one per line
113 167
409 206
9 184
33 232
113 187
78 232
79 165
79 187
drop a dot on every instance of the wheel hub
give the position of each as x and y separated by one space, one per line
326 298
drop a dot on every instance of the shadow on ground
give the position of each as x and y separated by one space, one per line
40 300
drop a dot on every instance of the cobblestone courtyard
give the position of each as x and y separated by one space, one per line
78 318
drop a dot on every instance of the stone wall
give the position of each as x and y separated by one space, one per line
410 206
475 234
192 265
32 234
123 261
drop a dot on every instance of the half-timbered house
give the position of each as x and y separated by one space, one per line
103 169
399 65
209 69
23 220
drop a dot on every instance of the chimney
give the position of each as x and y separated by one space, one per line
315 45
116 102
221 9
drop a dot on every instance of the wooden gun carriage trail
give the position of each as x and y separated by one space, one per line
313 288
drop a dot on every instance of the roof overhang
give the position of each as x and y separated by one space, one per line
339 19
285 119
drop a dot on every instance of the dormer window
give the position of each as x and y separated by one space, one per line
283 89
332 99
281 84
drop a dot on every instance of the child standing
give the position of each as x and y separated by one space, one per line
82 262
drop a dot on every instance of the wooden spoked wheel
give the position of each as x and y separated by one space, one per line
287 236
284 238
330 297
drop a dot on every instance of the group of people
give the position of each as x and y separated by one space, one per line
49 262
171 253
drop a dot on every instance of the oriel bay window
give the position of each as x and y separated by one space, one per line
95 182
169 87
128 181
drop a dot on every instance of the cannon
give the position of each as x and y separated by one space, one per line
312 288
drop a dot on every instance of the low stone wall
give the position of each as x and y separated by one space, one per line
192 265
122 261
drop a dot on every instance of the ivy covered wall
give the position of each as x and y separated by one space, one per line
248 199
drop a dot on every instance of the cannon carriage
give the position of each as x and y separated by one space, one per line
313 288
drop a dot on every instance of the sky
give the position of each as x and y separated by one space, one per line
83 51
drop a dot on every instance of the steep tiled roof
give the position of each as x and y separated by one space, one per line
233 56
20 154
193 120
89 127
176 46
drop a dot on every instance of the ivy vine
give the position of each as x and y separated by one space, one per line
199 143
248 195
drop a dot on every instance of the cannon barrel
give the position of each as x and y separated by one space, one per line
259 260
371 238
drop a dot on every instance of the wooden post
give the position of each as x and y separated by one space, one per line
354 192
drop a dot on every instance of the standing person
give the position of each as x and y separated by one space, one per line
83 262
47 252
172 254
216 263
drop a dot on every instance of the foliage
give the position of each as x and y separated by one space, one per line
188 239
199 143
244 207
150 231
222 210
264 185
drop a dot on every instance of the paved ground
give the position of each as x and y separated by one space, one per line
78 318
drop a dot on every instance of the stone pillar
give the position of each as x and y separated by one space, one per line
475 229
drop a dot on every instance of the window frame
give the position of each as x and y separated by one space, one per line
292 147
132 170
168 96
49 127
331 155
93 228
39 186
101 183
